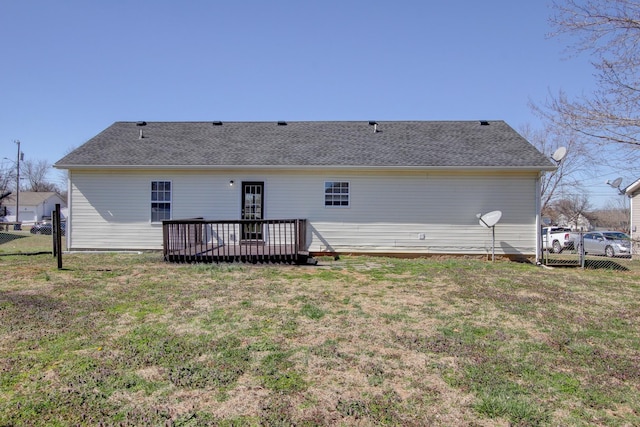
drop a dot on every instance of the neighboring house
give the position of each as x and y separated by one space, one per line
633 192
34 206
412 187
580 223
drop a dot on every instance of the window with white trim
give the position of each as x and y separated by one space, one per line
160 200
336 193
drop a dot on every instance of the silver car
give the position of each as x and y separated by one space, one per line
609 243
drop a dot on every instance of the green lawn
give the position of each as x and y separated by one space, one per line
131 340
23 242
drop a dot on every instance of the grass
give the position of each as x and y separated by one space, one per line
23 242
131 340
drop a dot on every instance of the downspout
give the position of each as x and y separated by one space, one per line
538 218
67 233
632 232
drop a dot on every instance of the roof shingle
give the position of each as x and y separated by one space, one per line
446 144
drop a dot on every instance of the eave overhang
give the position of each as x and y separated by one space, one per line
307 167
632 188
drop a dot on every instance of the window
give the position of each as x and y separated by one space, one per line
336 193
160 200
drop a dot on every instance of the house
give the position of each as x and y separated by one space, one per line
633 192
34 206
578 223
388 187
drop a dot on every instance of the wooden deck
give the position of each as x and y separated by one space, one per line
199 240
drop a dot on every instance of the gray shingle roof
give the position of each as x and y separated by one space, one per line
421 144
31 198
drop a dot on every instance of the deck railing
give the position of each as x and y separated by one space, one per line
200 240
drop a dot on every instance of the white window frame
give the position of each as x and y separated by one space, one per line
335 199
162 200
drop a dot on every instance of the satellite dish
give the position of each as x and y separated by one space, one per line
616 183
490 219
559 154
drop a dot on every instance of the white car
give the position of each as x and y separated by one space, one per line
609 243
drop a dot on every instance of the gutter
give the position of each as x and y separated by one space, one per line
632 188
310 167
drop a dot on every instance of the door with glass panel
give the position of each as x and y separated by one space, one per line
252 209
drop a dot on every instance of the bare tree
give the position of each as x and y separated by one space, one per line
565 179
63 178
6 180
614 216
608 30
574 210
36 174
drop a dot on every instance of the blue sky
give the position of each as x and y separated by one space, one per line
71 68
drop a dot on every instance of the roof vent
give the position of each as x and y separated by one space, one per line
375 126
217 123
484 123
282 123
140 124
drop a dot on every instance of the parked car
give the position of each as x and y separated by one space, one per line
47 228
557 239
609 243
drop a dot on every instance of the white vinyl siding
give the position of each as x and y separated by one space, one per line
389 212
110 210
401 213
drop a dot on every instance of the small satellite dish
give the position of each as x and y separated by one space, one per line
559 154
616 183
490 219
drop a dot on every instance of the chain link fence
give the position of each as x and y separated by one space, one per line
590 250
596 250
28 239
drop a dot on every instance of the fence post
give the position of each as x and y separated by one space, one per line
54 232
581 249
57 235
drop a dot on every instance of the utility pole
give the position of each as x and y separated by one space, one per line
18 183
